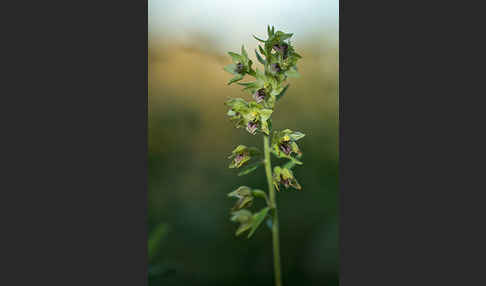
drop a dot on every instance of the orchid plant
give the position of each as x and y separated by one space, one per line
279 59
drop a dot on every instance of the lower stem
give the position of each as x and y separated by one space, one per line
273 201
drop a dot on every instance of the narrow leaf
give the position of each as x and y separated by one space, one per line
249 169
246 83
289 165
292 73
283 92
243 227
258 39
235 56
230 68
262 51
282 155
285 36
259 58
235 79
243 52
257 220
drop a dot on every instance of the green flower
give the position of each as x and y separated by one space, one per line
253 116
244 196
285 142
245 218
282 62
237 107
257 118
285 177
240 67
264 89
248 220
241 155
282 49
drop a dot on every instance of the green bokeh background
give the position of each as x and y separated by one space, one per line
191 239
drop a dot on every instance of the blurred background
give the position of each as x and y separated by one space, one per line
191 240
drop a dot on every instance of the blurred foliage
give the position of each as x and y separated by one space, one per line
190 138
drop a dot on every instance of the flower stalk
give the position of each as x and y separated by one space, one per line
279 59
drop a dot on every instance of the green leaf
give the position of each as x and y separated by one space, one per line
294 160
258 39
265 114
262 51
292 73
257 220
235 79
264 127
259 194
243 227
282 155
281 94
236 103
283 36
247 84
250 168
291 164
230 68
243 52
235 56
259 58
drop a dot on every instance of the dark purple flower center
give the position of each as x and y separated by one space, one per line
276 67
239 158
285 147
259 95
239 68
252 127
282 49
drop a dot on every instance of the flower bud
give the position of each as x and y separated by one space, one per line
244 196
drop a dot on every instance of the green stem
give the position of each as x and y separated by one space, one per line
273 201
